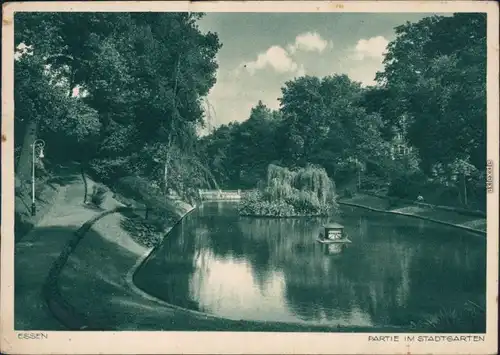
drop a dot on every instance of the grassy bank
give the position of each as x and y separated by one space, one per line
383 204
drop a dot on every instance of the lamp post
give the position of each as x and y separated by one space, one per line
37 144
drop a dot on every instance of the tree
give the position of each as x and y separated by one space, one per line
239 153
435 70
326 123
48 112
116 90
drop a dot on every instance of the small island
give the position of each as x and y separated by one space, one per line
306 191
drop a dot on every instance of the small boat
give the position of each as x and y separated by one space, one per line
334 234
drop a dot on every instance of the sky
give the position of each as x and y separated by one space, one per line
261 51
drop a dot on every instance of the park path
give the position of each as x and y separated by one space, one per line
36 252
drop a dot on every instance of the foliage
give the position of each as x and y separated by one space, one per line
406 185
141 79
307 191
348 193
471 316
255 204
321 121
234 152
115 91
325 122
143 191
435 72
146 232
430 98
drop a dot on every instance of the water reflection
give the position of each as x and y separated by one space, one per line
396 270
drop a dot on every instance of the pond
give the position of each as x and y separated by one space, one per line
397 270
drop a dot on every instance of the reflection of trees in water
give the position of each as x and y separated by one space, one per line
454 269
376 273
442 269
274 243
318 285
362 228
166 274
394 272
318 289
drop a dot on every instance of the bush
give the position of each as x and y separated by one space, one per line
306 192
304 202
261 207
108 170
399 188
98 195
144 192
348 193
373 183
469 319
145 232
406 186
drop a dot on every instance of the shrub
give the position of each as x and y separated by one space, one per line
468 319
373 183
266 208
98 195
144 192
348 193
308 191
108 170
407 186
399 187
305 202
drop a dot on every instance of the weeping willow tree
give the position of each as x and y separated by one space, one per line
304 192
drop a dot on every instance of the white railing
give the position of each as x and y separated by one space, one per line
220 194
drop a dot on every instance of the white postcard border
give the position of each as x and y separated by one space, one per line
242 342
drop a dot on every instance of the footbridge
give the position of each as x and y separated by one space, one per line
220 195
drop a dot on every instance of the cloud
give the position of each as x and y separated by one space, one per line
232 97
309 42
275 57
373 47
280 59
301 71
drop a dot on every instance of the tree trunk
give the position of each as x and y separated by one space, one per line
165 174
84 178
465 190
171 133
359 179
71 81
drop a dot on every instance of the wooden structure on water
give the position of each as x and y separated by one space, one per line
334 238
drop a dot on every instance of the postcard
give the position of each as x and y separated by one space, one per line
250 177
